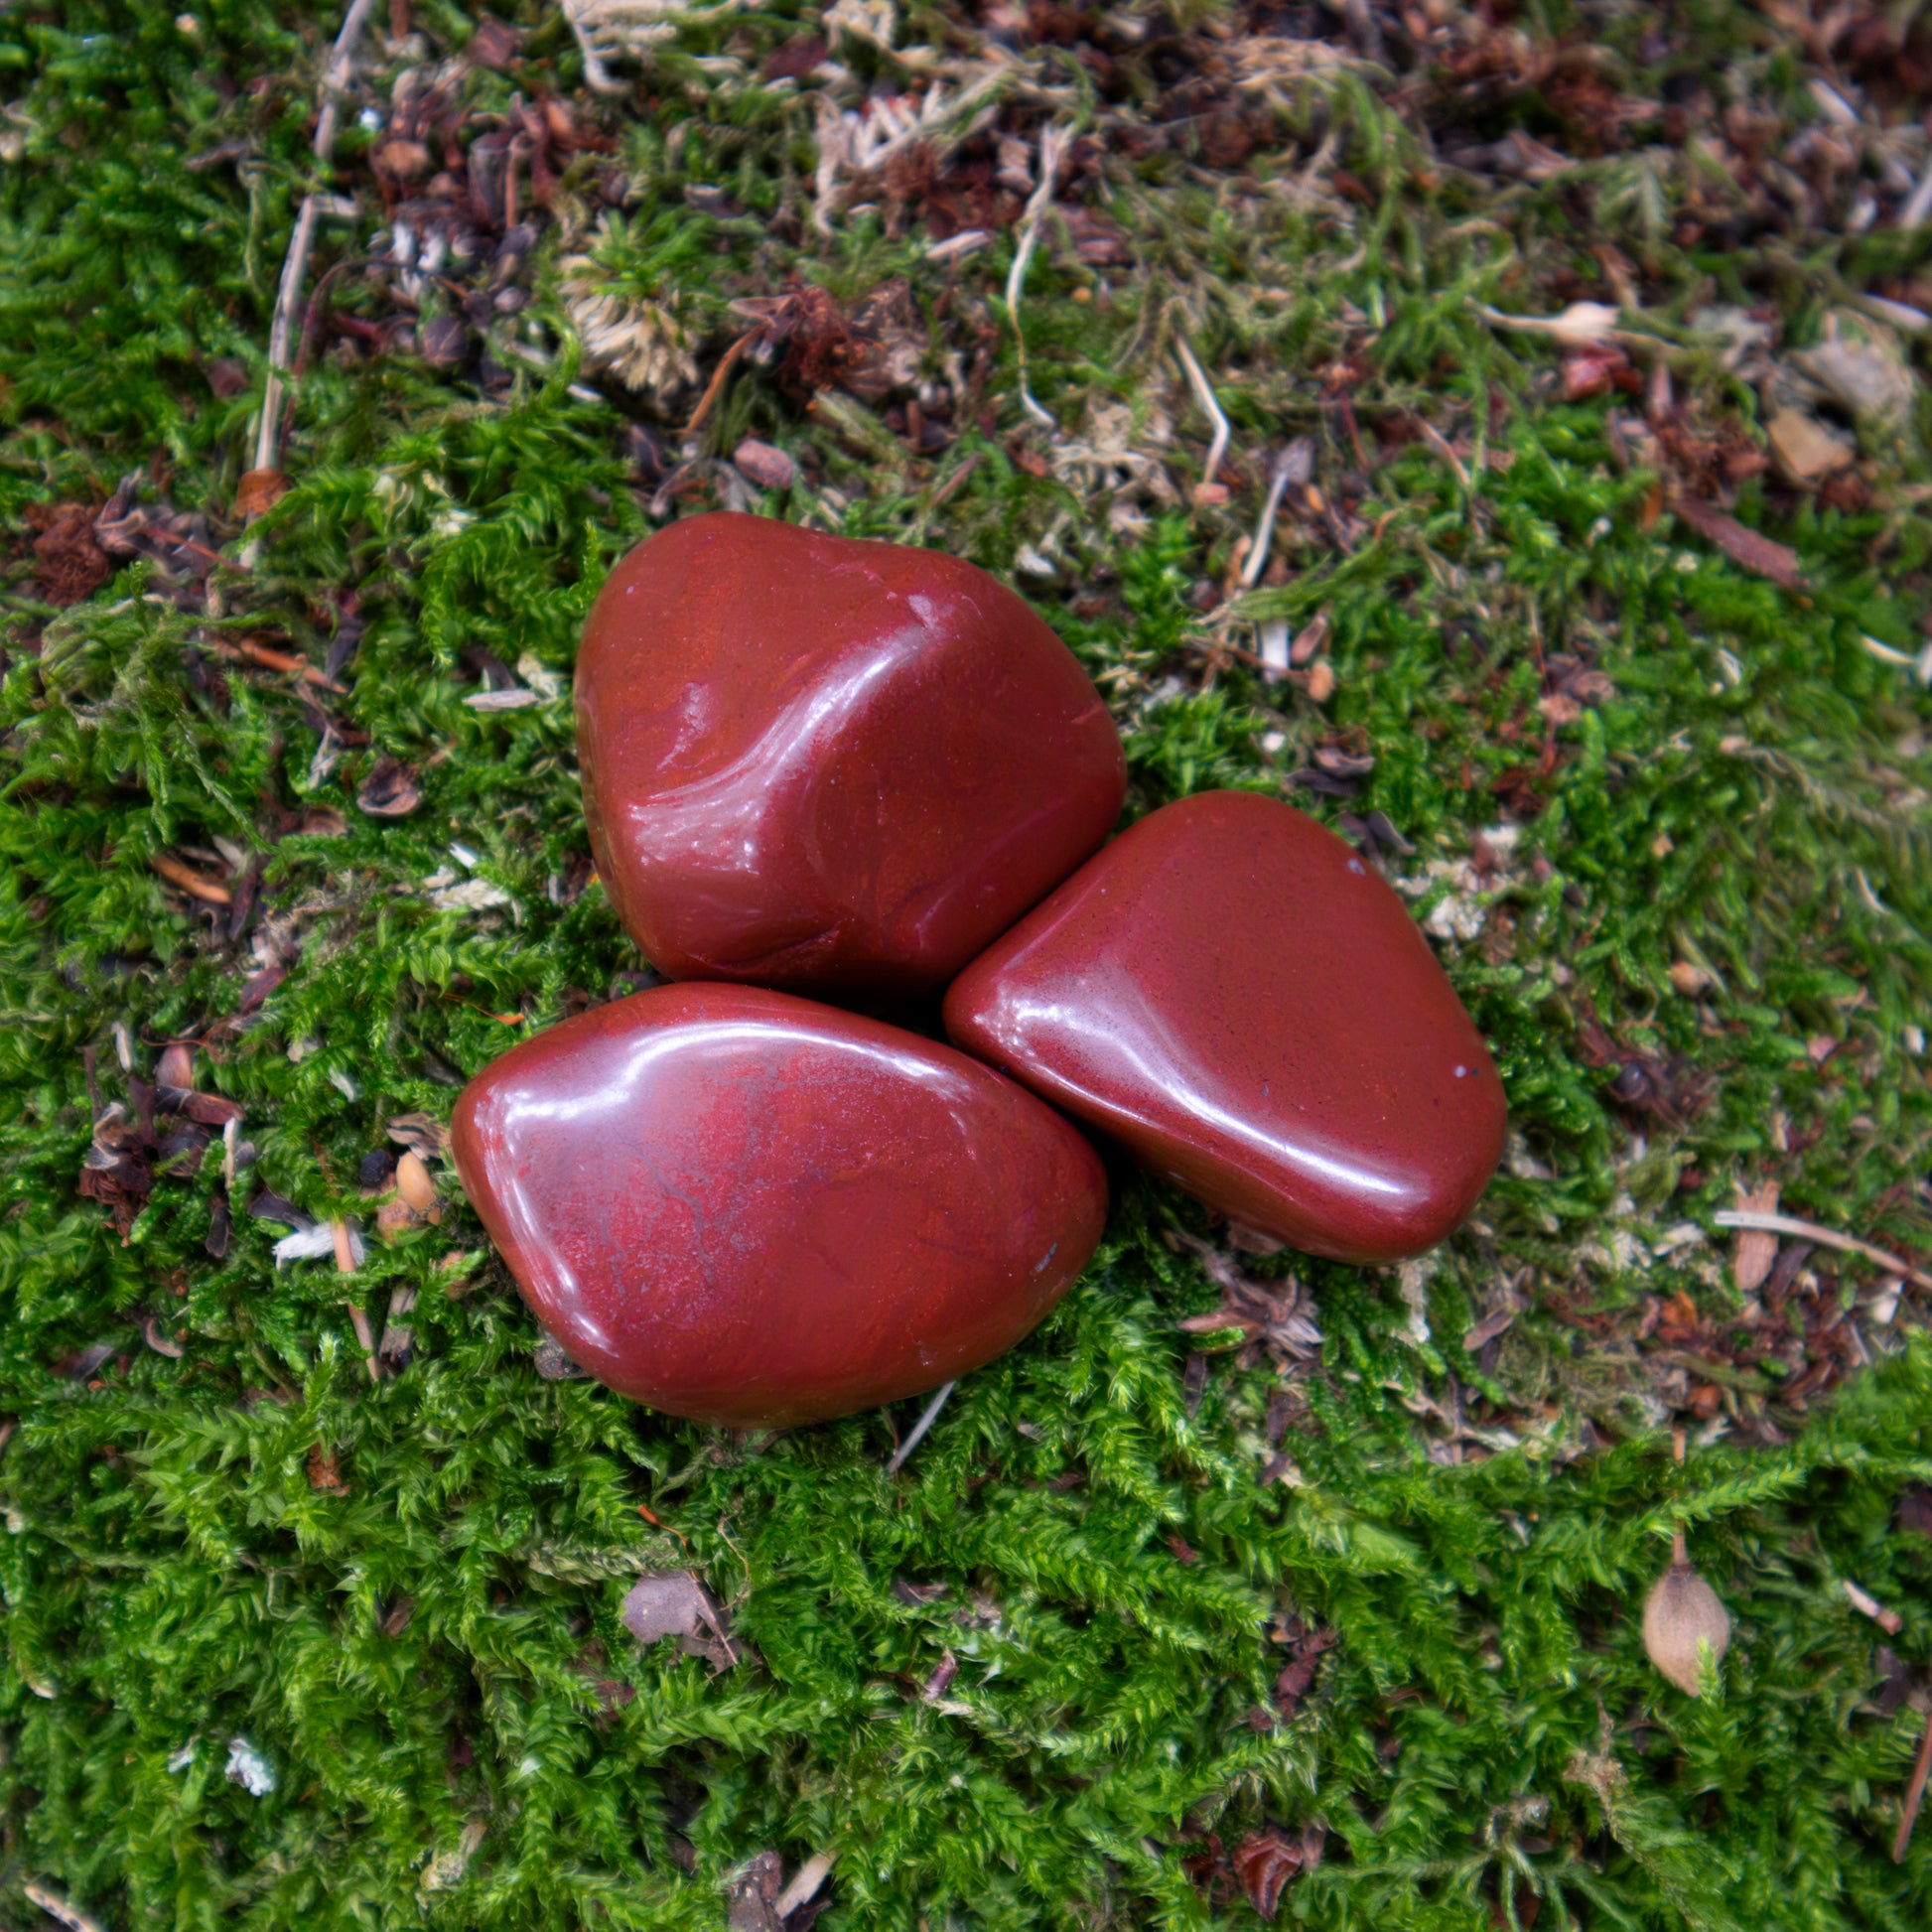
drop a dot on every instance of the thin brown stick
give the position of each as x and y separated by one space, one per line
951 487
1744 1217
357 1314
246 650
1914 1796
189 881
726 363
295 264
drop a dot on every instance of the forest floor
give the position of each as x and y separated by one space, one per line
1569 363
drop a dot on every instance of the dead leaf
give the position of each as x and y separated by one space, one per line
1264 1862
258 492
1862 368
70 563
404 160
421 1133
1486 1330
1752 1258
444 1870
325 1472
1592 370
674 1604
494 44
1743 546
159 1339
78 1366
389 790
765 465
1306 1648
754 1891
548 1356
1803 449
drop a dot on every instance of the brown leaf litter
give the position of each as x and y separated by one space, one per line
675 1604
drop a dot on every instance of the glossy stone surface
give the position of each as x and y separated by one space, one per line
1233 993
749 1208
828 766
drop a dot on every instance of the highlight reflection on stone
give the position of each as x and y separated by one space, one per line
1232 991
830 765
749 1208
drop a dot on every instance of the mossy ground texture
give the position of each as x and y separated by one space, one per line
1332 1610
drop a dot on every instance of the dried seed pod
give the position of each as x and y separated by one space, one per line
413 1182
175 1071
1682 1615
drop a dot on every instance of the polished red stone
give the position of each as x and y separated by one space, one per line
749 1208
1233 991
829 766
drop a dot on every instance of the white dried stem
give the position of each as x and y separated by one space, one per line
1919 204
334 76
1292 465
1792 1224
295 264
1204 395
927 1417
1052 140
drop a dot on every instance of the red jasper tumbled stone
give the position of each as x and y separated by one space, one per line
829 766
1233 993
749 1208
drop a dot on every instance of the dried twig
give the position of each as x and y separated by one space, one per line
1051 142
74 1918
1293 466
1918 204
189 881
726 363
1440 443
1740 1217
334 76
1863 1600
1204 395
295 264
288 299
927 1417
1914 1796
365 1338
247 651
